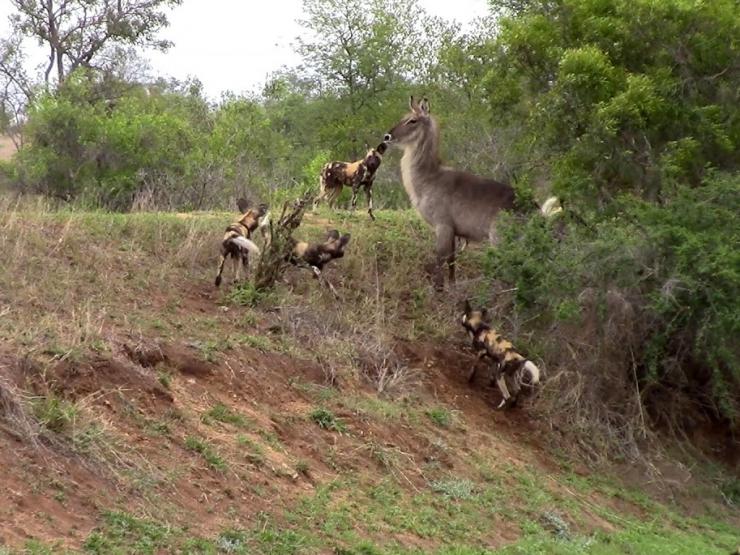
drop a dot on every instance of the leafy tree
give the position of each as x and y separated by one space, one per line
77 32
616 95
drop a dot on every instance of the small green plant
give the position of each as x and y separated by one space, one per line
255 452
440 416
221 413
455 488
255 341
326 420
246 294
302 467
164 378
209 453
54 413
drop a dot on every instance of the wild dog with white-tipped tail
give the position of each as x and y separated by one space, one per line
237 242
506 361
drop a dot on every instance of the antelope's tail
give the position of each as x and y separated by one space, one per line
249 245
551 207
534 372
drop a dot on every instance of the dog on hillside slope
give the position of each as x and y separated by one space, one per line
318 255
506 361
237 242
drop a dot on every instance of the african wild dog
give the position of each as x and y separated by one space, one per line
358 174
318 255
506 360
237 242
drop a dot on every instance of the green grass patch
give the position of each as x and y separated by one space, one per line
210 455
327 420
440 416
54 413
222 413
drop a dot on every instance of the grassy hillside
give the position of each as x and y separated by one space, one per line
144 411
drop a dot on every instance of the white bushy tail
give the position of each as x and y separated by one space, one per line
551 207
244 243
534 372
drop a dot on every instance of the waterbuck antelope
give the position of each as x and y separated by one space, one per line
455 203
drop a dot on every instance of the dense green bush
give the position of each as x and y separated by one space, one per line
658 283
612 96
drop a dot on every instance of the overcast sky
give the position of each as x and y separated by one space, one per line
234 44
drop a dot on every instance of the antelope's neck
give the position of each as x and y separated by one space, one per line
420 168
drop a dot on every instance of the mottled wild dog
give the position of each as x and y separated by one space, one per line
359 174
455 203
318 255
506 361
237 242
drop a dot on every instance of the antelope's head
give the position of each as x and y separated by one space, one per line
414 126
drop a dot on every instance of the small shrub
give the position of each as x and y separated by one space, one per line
209 454
255 453
54 413
440 416
458 489
221 413
326 420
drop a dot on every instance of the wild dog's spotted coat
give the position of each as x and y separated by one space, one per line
488 343
359 174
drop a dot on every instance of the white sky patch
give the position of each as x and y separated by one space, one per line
233 45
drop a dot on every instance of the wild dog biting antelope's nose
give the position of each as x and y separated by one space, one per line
359 174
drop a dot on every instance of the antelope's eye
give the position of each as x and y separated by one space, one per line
411 121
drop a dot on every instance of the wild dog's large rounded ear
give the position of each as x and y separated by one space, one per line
345 239
484 313
332 235
243 204
424 106
466 307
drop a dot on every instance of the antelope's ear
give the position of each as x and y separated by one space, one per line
413 104
424 107
466 307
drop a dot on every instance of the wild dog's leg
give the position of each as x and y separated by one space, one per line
221 264
501 382
319 276
355 190
245 264
369 195
237 262
474 367
332 196
445 254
